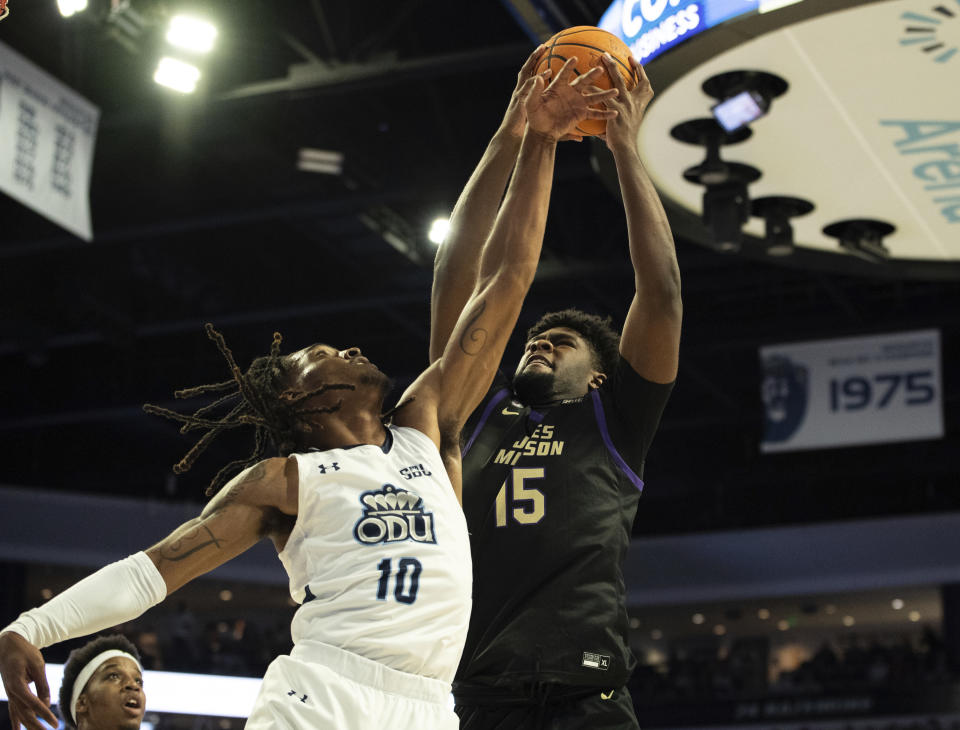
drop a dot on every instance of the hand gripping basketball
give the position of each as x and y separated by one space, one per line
630 104
555 110
589 44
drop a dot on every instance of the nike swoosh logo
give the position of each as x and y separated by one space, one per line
605 696
507 412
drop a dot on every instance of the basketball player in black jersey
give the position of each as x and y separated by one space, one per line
552 462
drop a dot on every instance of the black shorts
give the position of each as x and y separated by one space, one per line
572 710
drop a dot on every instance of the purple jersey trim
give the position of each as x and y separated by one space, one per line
602 424
497 397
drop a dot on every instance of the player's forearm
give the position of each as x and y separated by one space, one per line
507 267
652 249
457 259
226 528
513 248
114 594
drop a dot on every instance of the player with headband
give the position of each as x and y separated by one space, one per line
102 687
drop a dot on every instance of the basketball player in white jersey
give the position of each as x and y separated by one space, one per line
102 687
364 514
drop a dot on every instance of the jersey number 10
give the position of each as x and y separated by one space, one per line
401 591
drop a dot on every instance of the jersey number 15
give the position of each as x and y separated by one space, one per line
530 504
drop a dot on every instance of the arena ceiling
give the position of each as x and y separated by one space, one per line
200 214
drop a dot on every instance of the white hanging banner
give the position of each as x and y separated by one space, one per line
861 390
47 135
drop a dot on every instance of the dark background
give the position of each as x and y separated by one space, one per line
200 215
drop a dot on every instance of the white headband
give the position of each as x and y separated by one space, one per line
88 671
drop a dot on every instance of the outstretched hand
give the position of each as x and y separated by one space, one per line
20 664
630 103
555 110
515 118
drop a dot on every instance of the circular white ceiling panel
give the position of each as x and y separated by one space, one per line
869 127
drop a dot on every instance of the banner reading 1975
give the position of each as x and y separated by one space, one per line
854 391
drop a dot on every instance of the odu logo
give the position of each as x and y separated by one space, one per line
393 515
784 397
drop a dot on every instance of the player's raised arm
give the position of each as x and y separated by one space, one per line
651 332
509 258
232 522
457 260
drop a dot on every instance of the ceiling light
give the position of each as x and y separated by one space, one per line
709 134
776 210
226 595
46 594
783 624
191 34
830 609
719 629
897 604
126 26
698 618
726 208
634 622
438 230
763 614
849 621
326 162
862 237
70 7
726 205
914 616
656 634
742 96
177 75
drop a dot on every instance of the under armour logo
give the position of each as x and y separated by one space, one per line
323 467
294 693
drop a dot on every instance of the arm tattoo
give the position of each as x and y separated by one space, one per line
178 550
256 474
473 340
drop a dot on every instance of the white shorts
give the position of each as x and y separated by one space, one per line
321 686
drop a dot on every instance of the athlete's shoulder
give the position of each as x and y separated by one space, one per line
625 379
268 483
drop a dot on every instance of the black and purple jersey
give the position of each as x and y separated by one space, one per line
550 494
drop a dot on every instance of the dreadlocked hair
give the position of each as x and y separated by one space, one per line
256 398
598 331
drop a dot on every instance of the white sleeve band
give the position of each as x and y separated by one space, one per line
114 594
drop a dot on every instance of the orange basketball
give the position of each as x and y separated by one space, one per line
588 44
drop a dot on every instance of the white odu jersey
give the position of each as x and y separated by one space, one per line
379 557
